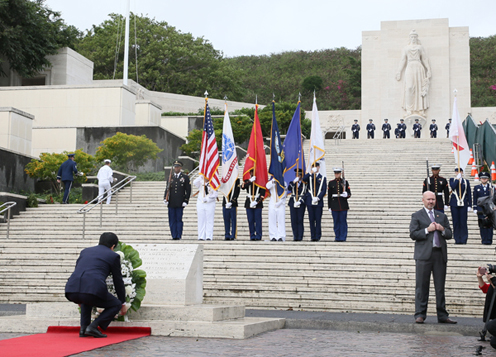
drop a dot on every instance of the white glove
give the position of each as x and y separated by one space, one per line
279 203
80 173
115 179
344 194
296 180
253 204
469 209
315 200
459 176
446 208
314 169
184 204
297 204
330 210
475 211
166 203
228 205
253 178
205 200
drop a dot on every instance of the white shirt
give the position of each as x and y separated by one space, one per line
105 174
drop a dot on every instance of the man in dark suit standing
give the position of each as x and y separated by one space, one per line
87 287
66 174
430 229
176 197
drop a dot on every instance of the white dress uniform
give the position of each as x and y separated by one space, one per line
277 213
205 208
105 177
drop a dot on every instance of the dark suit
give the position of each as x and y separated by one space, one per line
229 214
429 259
87 287
316 187
66 174
180 190
479 192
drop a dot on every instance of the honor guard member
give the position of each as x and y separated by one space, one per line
370 129
205 208
355 128
433 129
277 212
401 129
447 127
483 190
337 199
298 189
417 129
229 211
176 198
254 204
66 174
314 199
460 204
386 127
438 185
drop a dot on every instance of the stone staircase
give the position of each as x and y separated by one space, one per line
373 271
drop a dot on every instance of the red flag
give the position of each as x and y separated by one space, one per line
255 157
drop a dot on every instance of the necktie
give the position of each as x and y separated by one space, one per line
437 243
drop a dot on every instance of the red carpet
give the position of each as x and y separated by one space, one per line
65 341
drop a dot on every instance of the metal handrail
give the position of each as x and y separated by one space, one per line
338 135
99 199
8 205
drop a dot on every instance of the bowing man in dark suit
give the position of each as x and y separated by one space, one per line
430 229
87 287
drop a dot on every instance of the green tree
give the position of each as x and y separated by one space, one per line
311 84
483 71
168 60
127 152
29 31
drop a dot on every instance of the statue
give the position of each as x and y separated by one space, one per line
417 77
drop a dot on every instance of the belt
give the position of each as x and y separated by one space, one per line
439 193
335 195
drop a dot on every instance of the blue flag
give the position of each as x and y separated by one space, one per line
293 148
277 162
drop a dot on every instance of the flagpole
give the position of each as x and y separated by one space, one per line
126 45
458 154
204 114
299 154
255 140
314 176
228 198
271 138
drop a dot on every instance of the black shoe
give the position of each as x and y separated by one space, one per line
447 321
82 332
93 331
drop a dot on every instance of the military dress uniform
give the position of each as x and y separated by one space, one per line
438 185
355 129
180 191
337 200
205 208
229 210
370 130
277 213
66 174
401 130
483 191
447 128
297 212
314 199
459 208
254 194
433 128
386 127
417 130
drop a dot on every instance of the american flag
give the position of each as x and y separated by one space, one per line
209 156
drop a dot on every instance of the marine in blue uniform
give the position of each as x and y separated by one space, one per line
229 210
417 129
370 129
355 129
176 197
401 129
297 188
438 185
447 127
66 174
483 190
254 204
460 204
337 199
433 128
386 127
314 199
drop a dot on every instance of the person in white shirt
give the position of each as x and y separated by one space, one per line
205 207
105 178
277 212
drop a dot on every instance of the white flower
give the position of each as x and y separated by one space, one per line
121 254
129 290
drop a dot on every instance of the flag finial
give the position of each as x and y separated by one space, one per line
299 97
205 94
273 97
455 92
225 99
314 94
256 98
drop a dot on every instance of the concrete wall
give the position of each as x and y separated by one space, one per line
70 68
47 139
16 130
89 139
480 114
147 113
12 175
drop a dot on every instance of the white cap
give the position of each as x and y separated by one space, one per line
337 169
107 161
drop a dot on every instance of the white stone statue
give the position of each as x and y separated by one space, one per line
417 77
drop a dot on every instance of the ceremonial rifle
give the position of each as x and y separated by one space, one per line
168 184
428 178
344 180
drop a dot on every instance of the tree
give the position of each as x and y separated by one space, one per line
29 31
483 71
127 152
168 60
311 84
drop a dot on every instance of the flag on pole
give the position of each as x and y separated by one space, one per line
277 162
230 167
461 149
255 157
293 147
317 149
209 155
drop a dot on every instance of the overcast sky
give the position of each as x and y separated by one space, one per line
257 27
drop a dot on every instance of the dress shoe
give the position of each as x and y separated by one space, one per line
448 321
419 320
82 332
93 331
